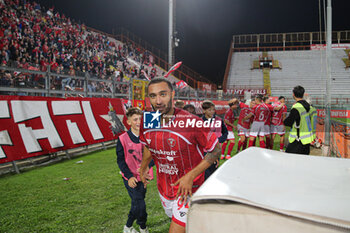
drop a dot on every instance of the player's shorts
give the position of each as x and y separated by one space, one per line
242 131
230 135
175 210
278 129
257 129
267 130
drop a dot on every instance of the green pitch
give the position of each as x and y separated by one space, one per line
93 200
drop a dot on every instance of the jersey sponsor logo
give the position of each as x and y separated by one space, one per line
162 152
170 169
171 142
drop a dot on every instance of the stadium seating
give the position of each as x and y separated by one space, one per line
306 68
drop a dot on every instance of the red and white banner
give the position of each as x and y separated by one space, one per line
32 126
173 68
334 46
334 113
242 91
181 84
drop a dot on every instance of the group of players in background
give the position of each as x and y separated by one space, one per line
258 119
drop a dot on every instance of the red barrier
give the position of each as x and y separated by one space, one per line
32 126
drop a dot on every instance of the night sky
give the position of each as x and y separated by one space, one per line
205 27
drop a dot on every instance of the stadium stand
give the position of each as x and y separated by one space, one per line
298 67
35 39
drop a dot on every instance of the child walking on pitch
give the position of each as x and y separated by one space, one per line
221 132
129 157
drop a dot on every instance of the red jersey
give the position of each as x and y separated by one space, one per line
262 112
245 111
268 120
277 116
177 148
230 117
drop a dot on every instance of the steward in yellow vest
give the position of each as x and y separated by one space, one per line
302 120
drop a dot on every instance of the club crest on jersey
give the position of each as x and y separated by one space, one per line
171 142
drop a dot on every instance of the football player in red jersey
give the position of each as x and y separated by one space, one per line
177 148
244 122
229 120
277 126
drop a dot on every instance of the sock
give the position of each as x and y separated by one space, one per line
245 144
251 143
240 144
230 148
262 144
281 146
223 148
268 143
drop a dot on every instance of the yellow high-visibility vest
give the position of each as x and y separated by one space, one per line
306 127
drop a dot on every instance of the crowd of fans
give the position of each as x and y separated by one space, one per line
34 38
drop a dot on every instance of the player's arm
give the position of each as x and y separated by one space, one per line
228 123
146 159
277 108
248 116
186 182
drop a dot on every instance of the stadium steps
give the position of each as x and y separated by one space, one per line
267 82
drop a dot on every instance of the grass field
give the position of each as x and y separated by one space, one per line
93 200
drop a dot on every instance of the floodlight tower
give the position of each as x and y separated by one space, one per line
173 40
329 78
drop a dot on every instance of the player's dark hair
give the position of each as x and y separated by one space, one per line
160 80
132 111
207 104
281 97
188 106
299 91
179 104
265 98
259 97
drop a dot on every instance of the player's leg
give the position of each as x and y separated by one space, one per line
253 134
223 148
231 140
268 141
261 141
230 148
281 142
273 136
141 214
178 221
241 142
176 228
132 213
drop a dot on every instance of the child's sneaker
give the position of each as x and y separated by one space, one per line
129 230
228 156
144 230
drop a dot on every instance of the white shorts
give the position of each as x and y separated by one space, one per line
242 131
257 129
175 210
230 135
278 129
267 130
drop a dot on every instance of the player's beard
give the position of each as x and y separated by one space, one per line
167 107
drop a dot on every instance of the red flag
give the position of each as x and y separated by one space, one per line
146 76
181 84
173 68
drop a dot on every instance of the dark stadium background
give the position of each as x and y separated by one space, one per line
205 27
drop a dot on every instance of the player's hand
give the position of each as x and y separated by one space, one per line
132 182
144 175
185 187
216 163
